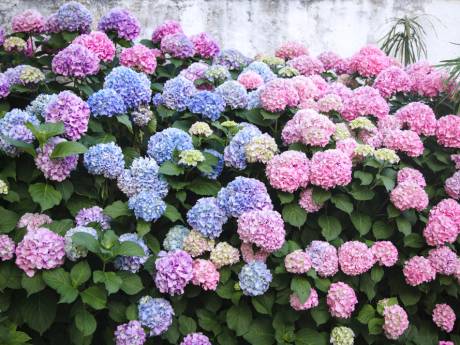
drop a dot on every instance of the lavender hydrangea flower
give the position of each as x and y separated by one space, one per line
217 169
177 45
106 102
54 169
156 314
73 251
174 270
261 69
169 27
175 237
161 145
73 16
197 338
195 71
4 86
147 205
235 153
142 116
208 104
13 74
207 217
2 35
104 159
12 126
232 59
244 194
75 61
38 105
132 86
122 22
234 94
157 99
254 278
132 263
93 214
130 333
177 92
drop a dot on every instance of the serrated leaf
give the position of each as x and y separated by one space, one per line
125 121
172 213
117 209
171 169
201 186
320 196
129 248
142 228
264 303
294 215
80 273
131 283
186 325
33 284
8 222
382 230
39 311
45 195
85 322
94 296
86 240
375 326
342 202
366 313
260 333
362 222
111 280
404 225
239 318
59 280
330 227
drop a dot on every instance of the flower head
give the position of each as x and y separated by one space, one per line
342 336
195 339
254 278
205 274
223 254
75 61
122 22
98 43
341 299
174 270
162 145
147 205
155 314
7 248
355 258
13 126
140 58
55 169
288 171
169 27
73 16
418 270
297 262
207 217
323 258
175 238
205 46
177 45
395 321
130 333
132 263
94 214
104 159
444 317
311 302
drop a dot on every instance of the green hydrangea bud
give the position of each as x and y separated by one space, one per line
288 72
342 336
200 129
191 157
386 155
362 123
3 187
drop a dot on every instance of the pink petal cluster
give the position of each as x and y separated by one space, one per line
330 102
278 94
330 168
406 141
297 262
265 229
290 50
445 342
341 299
29 21
306 201
456 159
418 270
369 61
443 260
288 171
307 65
385 253
418 117
444 317
250 80
174 270
443 223
306 88
205 274
169 27
389 122
311 302
331 61
355 258
99 43
395 321
75 61
308 127
412 176
365 101
323 258
347 146
55 169
249 254
40 249
140 58
408 196
391 81
452 186
426 80
7 248
205 46
33 221
448 131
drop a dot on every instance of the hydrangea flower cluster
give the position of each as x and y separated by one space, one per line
174 270
175 238
297 262
195 339
57 169
207 217
342 335
73 16
13 126
235 151
98 43
140 58
162 145
355 258
311 302
205 274
443 223
444 317
288 171
177 93
254 278
323 258
223 254
106 102
209 105
155 314
130 333
76 61
104 159
33 221
120 21
132 263
147 205
196 244
7 248
93 214
418 270
341 299
205 46
396 321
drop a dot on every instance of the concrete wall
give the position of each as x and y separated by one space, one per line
261 25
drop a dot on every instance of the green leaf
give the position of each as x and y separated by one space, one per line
342 202
8 222
307 336
294 214
68 148
60 227
301 287
95 297
69 36
260 333
201 186
10 276
33 284
366 313
125 121
117 209
131 283
331 227
25 147
404 225
382 230
66 189
414 240
111 281
45 131
39 311
264 303
86 240
186 325
239 318
80 273
285 198
320 196
367 286
362 193
409 295
320 315
389 301
171 169
377 273
362 222
365 177
172 213
142 228
375 326
59 280
207 321
45 195
85 322
129 248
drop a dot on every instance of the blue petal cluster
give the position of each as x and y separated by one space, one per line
175 237
73 16
254 99
208 104
207 217
106 102
217 169
155 313
147 205
132 86
132 263
232 59
234 94
157 99
177 92
12 126
244 194
104 159
235 152
254 278
262 69
38 105
161 145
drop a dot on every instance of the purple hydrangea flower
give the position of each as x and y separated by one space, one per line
130 333
73 16
262 69
169 27
218 168
177 45
235 153
205 46
4 86
234 94
232 59
177 92
196 339
93 214
122 22
12 126
174 270
75 61
55 169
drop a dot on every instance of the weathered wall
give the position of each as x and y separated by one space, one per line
260 25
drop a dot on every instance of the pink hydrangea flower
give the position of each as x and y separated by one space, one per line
311 302
330 102
456 159
445 342
406 141
395 321
341 299
330 168
250 80
355 258
369 61
448 131
278 94
290 50
75 61
265 229
425 79
40 249
418 117
140 58
408 196
347 146
249 254
331 61
7 248
205 46
33 221
55 169
412 176
205 274
306 201
389 122
391 81
443 223
444 317
365 101
99 43
307 65
169 27
323 258
418 270
443 260
385 253
29 21
306 88
320 83
288 171
452 186
297 262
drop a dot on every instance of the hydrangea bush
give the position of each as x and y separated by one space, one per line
168 191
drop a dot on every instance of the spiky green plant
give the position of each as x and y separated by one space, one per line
453 67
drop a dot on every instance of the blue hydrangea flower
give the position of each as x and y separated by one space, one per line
12 126
38 105
132 86
155 313
143 175
73 16
254 99
208 104
104 159
234 152
132 263
106 102
176 93
217 169
254 278
175 237
157 99
217 74
232 59
244 194
262 69
161 145
147 205
234 94
207 217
